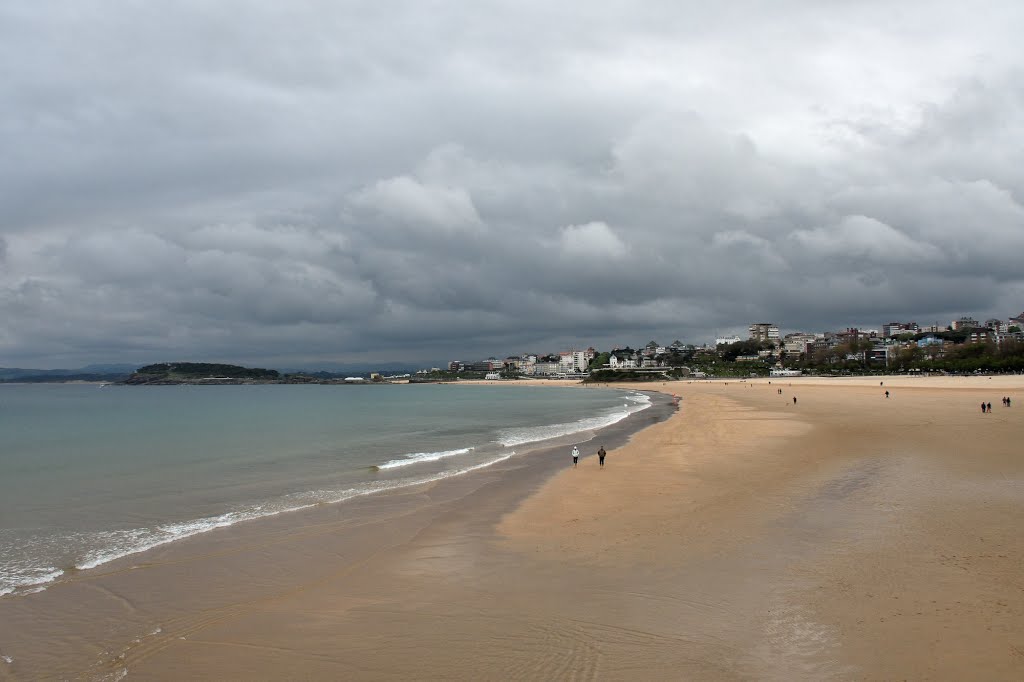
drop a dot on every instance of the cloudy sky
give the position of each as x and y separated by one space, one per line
287 184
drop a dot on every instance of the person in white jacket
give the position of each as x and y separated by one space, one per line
575 455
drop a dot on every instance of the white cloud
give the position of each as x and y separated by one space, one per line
860 237
595 240
407 203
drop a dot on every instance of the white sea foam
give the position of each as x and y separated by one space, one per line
115 676
534 434
122 543
11 578
7 659
420 457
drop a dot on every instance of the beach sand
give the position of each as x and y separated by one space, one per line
847 536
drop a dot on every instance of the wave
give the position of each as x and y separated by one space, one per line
10 579
117 544
533 434
91 549
420 457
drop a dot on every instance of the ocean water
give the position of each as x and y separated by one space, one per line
89 474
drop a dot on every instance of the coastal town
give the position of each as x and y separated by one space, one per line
965 344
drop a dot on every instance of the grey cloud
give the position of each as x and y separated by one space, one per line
324 181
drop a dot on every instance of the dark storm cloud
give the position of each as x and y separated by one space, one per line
321 181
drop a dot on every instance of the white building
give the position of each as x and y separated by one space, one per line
726 340
546 368
616 361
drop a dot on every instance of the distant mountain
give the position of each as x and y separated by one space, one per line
88 373
118 371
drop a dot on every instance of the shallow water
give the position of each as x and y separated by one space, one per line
92 473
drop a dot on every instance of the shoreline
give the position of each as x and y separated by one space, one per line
846 536
744 537
178 529
37 628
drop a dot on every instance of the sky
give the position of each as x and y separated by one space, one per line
313 182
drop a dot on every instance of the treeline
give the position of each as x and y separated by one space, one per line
984 356
603 376
199 370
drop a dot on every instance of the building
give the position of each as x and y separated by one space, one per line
545 368
620 359
727 340
982 335
897 328
964 323
798 343
764 331
855 334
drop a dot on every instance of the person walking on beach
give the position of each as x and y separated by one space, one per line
794 400
990 407
983 408
887 394
575 455
600 456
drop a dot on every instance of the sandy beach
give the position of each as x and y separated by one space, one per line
844 536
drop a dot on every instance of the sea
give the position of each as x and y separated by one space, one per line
90 473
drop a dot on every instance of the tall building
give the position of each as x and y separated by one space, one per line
965 323
897 328
764 331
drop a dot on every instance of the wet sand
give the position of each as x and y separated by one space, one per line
848 536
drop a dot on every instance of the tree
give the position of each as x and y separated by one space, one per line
509 372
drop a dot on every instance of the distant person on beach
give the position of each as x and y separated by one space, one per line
575 455
600 456
887 394
794 400
990 407
983 408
